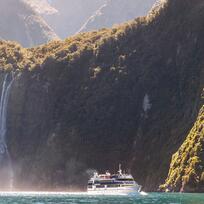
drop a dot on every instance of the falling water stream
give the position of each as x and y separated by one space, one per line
6 169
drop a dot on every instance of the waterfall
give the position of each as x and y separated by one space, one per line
6 170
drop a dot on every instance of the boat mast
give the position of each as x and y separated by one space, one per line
120 170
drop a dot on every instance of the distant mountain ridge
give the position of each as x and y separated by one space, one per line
116 12
41 20
19 22
41 6
71 15
82 16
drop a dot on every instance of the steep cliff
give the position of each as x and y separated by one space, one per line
187 166
129 94
21 23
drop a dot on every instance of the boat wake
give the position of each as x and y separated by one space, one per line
143 193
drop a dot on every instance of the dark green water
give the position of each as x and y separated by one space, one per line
154 198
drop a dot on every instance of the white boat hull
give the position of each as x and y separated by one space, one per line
115 191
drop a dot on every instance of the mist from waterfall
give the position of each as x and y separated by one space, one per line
6 169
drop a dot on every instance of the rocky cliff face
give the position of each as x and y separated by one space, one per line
129 94
21 23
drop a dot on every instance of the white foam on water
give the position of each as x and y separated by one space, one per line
143 193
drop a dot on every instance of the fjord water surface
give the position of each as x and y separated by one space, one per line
79 198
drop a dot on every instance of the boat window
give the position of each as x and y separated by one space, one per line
101 186
125 179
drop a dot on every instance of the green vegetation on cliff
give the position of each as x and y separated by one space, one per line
14 56
187 166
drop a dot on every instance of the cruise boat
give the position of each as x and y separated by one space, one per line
113 184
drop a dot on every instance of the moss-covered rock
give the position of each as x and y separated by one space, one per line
187 165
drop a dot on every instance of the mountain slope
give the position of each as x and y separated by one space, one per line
126 95
116 12
20 23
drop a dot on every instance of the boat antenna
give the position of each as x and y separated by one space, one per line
120 170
